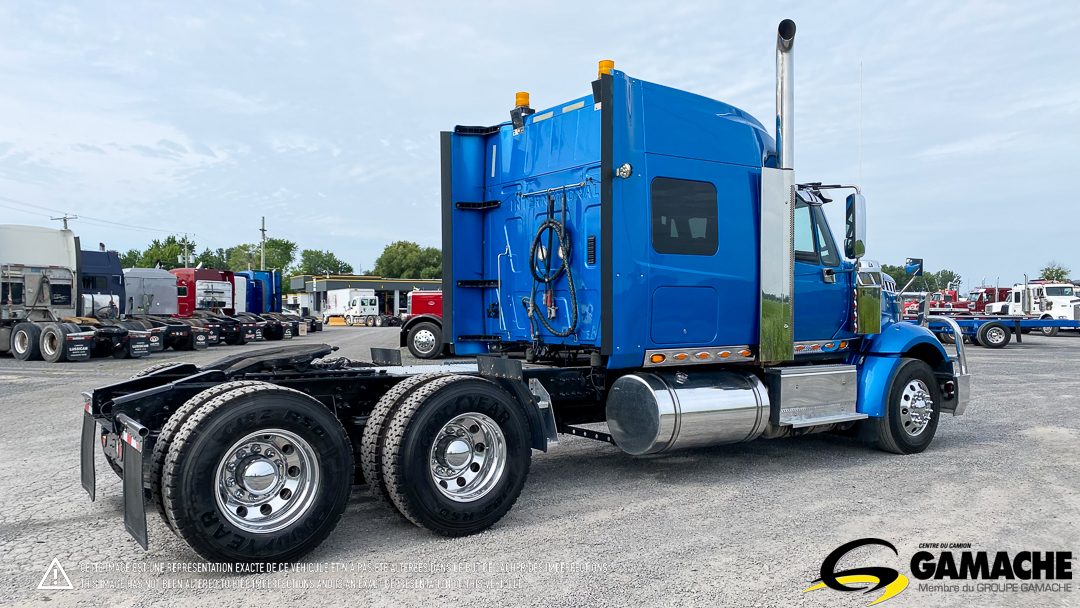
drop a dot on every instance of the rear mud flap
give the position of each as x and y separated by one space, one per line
135 441
200 338
138 344
86 454
77 346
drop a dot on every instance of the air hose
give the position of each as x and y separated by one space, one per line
556 229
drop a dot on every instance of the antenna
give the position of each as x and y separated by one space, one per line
860 124
65 219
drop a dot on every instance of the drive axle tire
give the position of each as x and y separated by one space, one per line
52 342
349 321
257 474
172 425
370 321
456 455
26 342
375 434
994 335
911 409
379 321
425 341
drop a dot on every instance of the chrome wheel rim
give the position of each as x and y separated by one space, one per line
468 457
424 341
916 408
1047 331
50 343
995 335
267 481
21 342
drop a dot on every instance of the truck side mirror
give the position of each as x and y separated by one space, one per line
855 233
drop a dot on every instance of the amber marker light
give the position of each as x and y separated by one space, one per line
744 353
843 345
681 356
657 358
724 354
606 65
521 99
702 355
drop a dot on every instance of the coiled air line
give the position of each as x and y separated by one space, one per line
556 230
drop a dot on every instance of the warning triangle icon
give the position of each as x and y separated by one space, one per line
55 577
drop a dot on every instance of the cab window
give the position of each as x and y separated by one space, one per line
804 234
826 246
181 291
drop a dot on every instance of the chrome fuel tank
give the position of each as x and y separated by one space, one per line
651 413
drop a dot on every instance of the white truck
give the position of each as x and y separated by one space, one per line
356 306
1044 299
43 311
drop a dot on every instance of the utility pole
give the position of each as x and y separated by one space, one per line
262 247
65 219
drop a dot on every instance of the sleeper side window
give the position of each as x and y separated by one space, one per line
685 217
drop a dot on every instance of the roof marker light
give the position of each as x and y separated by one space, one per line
606 65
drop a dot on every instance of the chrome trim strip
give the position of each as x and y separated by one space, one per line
812 347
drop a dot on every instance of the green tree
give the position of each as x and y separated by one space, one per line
280 254
407 260
1055 272
313 261
166 251
214 260
131 258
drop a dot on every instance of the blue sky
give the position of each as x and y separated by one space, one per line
324 117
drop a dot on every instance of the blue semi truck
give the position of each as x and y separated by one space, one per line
568 233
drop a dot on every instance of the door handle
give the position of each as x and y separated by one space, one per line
829 275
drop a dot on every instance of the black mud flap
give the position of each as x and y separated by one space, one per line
138 343
157 340
77 346
134 437
200 338
86 454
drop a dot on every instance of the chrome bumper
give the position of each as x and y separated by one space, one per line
961 377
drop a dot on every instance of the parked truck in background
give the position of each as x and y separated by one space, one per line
422 330
354 306
43 311
1040 299
567 233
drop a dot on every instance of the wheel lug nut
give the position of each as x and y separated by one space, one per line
256 449
239 493
232 466
230 482
268 453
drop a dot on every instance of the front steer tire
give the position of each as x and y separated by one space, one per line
419 425
896 432
316 458
425 341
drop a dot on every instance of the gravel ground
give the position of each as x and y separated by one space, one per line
741 525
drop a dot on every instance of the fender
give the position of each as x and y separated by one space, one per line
403 335
881 356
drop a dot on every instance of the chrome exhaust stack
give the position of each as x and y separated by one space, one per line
785 94
776 309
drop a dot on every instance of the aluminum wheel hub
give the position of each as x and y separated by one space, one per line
468 457
424 341
995 335
916 408
267 480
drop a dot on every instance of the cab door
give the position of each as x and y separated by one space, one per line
822 281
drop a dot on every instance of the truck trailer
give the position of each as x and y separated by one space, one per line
565 230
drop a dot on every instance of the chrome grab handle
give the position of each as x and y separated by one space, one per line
960 354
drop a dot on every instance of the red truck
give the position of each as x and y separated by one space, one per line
422 330
947 301
981 296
